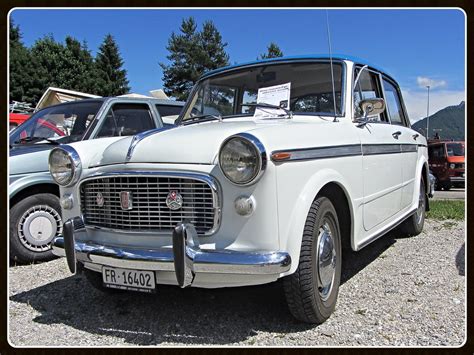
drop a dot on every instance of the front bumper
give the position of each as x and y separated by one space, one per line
185 257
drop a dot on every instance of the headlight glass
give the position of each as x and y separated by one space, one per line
64 165
240 160
452 166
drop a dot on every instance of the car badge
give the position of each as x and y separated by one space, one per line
174 200
126 201
99 199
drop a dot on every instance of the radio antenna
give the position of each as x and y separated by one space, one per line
332 68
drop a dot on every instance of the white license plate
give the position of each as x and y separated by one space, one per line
127 279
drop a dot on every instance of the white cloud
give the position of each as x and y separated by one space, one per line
415 101
423 82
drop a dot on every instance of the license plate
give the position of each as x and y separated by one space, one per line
126 279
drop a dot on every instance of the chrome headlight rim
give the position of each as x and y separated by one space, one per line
261 154
75 164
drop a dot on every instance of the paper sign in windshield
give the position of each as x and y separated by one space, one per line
278 95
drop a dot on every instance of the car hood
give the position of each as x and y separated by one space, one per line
29 158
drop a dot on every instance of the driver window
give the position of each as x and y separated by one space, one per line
126 120
367 88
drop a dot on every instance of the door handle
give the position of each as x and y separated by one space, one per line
396 134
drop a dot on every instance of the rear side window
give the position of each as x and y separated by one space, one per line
126 120
393 104
168 110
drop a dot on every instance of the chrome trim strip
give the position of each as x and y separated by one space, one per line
141 136
208 179
339 151
75 160
262 156
205 261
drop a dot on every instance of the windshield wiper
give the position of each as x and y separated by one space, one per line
34 139
205 118
289 113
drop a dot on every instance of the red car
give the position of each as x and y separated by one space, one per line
446 160
17 119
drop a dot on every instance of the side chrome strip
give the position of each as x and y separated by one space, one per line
141 136
342 151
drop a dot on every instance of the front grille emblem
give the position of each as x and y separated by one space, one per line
174 200
99 199
126 202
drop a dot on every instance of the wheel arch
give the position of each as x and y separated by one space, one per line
35 189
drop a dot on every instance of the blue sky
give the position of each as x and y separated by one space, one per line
418 47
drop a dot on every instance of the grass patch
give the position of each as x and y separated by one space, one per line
446 209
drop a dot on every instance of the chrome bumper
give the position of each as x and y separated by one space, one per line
457 179
185 258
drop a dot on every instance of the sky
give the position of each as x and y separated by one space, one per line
417 47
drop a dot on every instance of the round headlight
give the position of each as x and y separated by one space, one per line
242 159
452 166
64 165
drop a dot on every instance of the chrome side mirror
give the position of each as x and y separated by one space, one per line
372 107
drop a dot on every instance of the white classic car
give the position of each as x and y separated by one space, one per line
274 167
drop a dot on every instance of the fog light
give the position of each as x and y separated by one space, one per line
67 201
245 205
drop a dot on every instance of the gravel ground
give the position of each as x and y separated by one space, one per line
396 291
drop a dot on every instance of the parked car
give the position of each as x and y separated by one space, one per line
35 217
272 170
16 119
446 159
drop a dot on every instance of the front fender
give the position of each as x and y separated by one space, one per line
291 236
20 182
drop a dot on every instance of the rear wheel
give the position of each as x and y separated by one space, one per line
311 292
414 224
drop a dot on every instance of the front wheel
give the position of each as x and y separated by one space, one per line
311 292
34 222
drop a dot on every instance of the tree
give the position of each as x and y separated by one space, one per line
273 51
111 79
191 54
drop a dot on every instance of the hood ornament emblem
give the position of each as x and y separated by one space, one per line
99 199
126 202
174 200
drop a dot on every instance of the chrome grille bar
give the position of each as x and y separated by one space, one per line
148 191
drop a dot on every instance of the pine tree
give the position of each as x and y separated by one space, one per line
192 53
273 51
111 78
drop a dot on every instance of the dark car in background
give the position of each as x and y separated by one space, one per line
446 159
35 213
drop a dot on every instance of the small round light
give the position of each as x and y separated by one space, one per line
67 201
245 205
452 166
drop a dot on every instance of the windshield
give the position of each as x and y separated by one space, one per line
455 149
310 90
64 123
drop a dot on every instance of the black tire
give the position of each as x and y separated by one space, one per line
447 186
95 279
414 224
37 216
307 300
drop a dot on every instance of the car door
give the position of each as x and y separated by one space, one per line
382 170
407 137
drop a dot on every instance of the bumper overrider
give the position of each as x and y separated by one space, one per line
185 257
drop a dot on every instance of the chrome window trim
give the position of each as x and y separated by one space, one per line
262 156
211 181
75 160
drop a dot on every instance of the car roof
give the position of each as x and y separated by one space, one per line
338 57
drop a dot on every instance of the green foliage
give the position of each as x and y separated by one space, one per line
69 66
111 78
273 51
192 53
446 209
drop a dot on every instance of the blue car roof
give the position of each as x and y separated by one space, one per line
296 58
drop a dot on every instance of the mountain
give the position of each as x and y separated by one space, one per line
448 122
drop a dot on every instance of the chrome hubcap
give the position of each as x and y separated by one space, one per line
38 226
326 254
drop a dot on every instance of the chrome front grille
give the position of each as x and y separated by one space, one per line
101 202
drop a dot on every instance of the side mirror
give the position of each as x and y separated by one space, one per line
371 107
